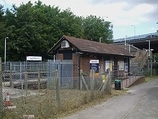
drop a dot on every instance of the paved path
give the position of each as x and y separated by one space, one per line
141 102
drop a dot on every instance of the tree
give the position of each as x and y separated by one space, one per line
2 30
97 29
70 24
33 29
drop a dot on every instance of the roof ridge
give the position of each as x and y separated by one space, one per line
84 39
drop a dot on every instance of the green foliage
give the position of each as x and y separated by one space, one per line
2 29
34 28
70 24
97 29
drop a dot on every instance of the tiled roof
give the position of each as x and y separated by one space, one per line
96 47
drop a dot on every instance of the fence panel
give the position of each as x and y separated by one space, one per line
15 73
52 102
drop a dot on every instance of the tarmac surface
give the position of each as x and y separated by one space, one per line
141 102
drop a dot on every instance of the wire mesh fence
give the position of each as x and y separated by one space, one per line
53 100
47 89
17 73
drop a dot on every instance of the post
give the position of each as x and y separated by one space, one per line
148 65
92 82
151 67
78 65
39 81
151 63
129 48
1 95
25 82
79 73
109 82
57 89
92 72
5 52
125 41
149 48
11 80
148 55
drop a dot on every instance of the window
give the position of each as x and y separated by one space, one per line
67 56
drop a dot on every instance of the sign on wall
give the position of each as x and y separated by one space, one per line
108 65
94 65
121 65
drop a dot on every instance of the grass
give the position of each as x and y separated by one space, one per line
147 78
44 106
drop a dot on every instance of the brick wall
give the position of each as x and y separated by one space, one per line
59 56
75 65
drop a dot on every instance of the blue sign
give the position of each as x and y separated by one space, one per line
94 65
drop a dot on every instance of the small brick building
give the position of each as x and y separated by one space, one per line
82 51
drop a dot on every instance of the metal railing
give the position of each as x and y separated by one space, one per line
138 37
127 79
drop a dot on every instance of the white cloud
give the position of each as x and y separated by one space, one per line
114 11
123 13
17 2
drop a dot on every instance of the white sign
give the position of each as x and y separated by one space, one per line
94 61
34 58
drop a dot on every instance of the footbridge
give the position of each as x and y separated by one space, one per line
144 41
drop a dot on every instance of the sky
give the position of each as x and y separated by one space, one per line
129 18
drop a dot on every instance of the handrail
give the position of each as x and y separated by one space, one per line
134 47
134 72
144 59
136 56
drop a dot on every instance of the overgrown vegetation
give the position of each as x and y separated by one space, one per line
43 104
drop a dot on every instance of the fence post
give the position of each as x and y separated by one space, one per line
1 95
25 81
92 79
91 82
109 82
39 81
11 80
57 89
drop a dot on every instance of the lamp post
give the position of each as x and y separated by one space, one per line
151 63
148 53
150 58
125 41
5 53
149 48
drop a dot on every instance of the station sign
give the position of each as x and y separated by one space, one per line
94 65
33 58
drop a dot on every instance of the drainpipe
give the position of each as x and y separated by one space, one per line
79 56
128 60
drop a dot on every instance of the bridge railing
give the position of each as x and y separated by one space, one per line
137 37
